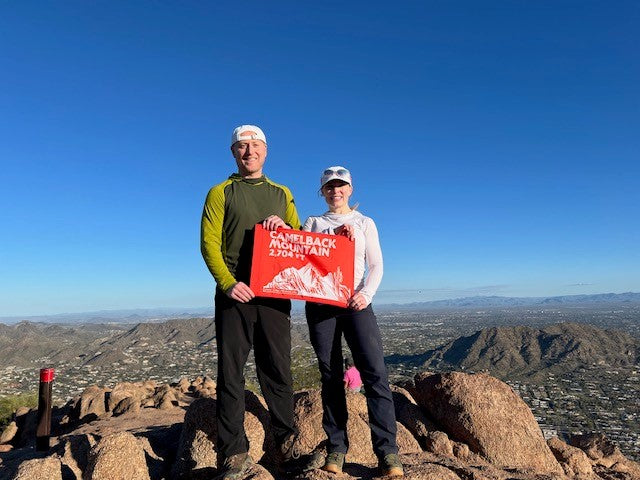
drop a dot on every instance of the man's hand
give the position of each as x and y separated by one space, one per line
345 230
241 292
358 302
273 222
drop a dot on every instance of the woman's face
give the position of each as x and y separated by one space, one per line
336 193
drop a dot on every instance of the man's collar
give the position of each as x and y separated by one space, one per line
239 178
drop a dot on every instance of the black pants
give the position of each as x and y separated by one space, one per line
264 324
326 326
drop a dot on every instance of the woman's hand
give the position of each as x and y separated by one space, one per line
274 222
358 302
345 230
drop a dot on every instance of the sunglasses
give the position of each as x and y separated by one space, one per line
341 172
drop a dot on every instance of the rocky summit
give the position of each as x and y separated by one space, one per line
452 425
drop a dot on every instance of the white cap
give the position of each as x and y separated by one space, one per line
335 173
248 132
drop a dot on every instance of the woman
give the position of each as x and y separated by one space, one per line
358 323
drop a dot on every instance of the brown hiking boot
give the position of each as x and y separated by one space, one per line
334 462
313 461
290 457
391 466
235 466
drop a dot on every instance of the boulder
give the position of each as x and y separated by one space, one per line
257 406
197 439
74 453
461 451
574 461
307 411
196 383
150 386
596 446
135 391
128 405
209 384
407 443
62 415
161 389
430 471
183 385
308 418
158 468
9 432
438 442
196 448
165 399
119 456
417 466
489 416
409 414
427 465
358 431
27 422
48 468
258 472
92 402
204 387
204 393
605 455
20 411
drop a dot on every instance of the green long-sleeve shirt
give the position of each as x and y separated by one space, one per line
231 211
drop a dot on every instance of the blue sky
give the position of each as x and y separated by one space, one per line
496 144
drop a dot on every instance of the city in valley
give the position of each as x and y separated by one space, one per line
576 366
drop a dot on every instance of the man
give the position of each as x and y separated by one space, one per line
231 211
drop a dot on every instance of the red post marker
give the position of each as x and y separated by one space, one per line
43 430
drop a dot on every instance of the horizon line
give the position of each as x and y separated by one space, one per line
175 309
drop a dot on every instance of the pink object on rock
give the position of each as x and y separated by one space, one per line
352 377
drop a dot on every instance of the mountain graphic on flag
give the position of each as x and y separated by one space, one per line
308 281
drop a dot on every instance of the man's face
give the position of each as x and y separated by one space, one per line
250 156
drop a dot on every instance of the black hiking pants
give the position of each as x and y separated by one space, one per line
263 323
327 324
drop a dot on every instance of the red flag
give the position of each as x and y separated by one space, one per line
302 265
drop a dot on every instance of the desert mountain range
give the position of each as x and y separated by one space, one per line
524 352
132 316
101 344
507 352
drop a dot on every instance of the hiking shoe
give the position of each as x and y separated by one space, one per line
334 462
235 466
288 449
290 457
391 466
313 461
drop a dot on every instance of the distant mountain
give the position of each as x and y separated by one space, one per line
141 339
126 316
133 316
24 343
628 298
521 352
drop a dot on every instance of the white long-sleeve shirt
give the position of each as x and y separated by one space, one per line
368 255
